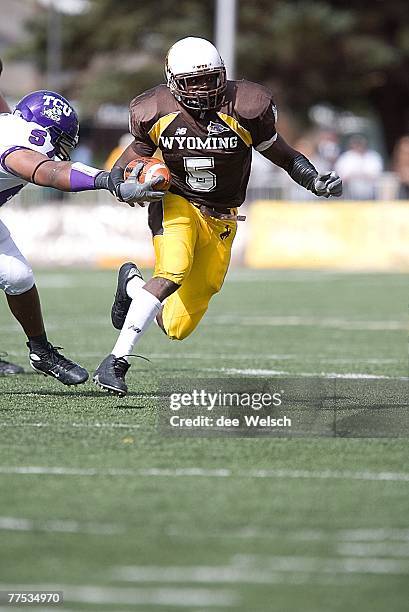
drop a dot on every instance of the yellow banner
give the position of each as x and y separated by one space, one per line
334 235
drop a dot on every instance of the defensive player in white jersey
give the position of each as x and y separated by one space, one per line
43 126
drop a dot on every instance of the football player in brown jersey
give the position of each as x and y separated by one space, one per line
205 128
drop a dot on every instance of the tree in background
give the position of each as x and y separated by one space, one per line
352 55
115 50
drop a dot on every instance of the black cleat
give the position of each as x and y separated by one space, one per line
7 368
110 375
122 301
50 362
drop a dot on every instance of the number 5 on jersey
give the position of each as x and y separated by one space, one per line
199 177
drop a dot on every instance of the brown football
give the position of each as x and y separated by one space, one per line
152 168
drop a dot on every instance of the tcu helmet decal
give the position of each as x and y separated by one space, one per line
54 108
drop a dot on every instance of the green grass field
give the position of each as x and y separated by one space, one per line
96 502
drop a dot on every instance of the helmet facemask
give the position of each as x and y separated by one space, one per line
201 90
63 143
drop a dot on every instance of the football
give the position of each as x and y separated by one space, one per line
152 168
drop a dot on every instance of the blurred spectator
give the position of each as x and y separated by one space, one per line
117 151
401 167
328 149
360 169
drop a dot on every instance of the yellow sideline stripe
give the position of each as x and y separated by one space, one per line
160 126
236 127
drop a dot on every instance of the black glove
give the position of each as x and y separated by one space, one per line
130 191
329 184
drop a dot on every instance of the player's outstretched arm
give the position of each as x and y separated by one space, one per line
67 176
41 170
302 171
4 107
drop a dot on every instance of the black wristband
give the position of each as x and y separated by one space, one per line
303 172
102 180
111 181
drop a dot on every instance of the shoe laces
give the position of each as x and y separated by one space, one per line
121 365
58 358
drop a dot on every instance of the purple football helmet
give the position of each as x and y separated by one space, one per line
56 115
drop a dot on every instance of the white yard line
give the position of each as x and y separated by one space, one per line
10 523
367 565
350 376
258 569
210 473
379 549
327 375
348 360
374 535
215 575
342 536
181 597
308 321
248 371
332 474
192 574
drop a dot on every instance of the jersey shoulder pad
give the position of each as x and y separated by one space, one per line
251 99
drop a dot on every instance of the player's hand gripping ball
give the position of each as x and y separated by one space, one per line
146 179
151 170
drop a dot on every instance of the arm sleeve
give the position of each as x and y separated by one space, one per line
292 161
263 128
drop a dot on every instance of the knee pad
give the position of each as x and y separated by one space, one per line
16 276
20 278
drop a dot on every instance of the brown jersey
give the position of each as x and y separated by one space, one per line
208 154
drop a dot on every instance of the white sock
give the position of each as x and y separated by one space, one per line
133 286
141 313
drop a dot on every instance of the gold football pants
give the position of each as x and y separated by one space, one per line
193 251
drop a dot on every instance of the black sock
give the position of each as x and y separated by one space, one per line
38 343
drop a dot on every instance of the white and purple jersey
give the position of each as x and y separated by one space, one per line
17 133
